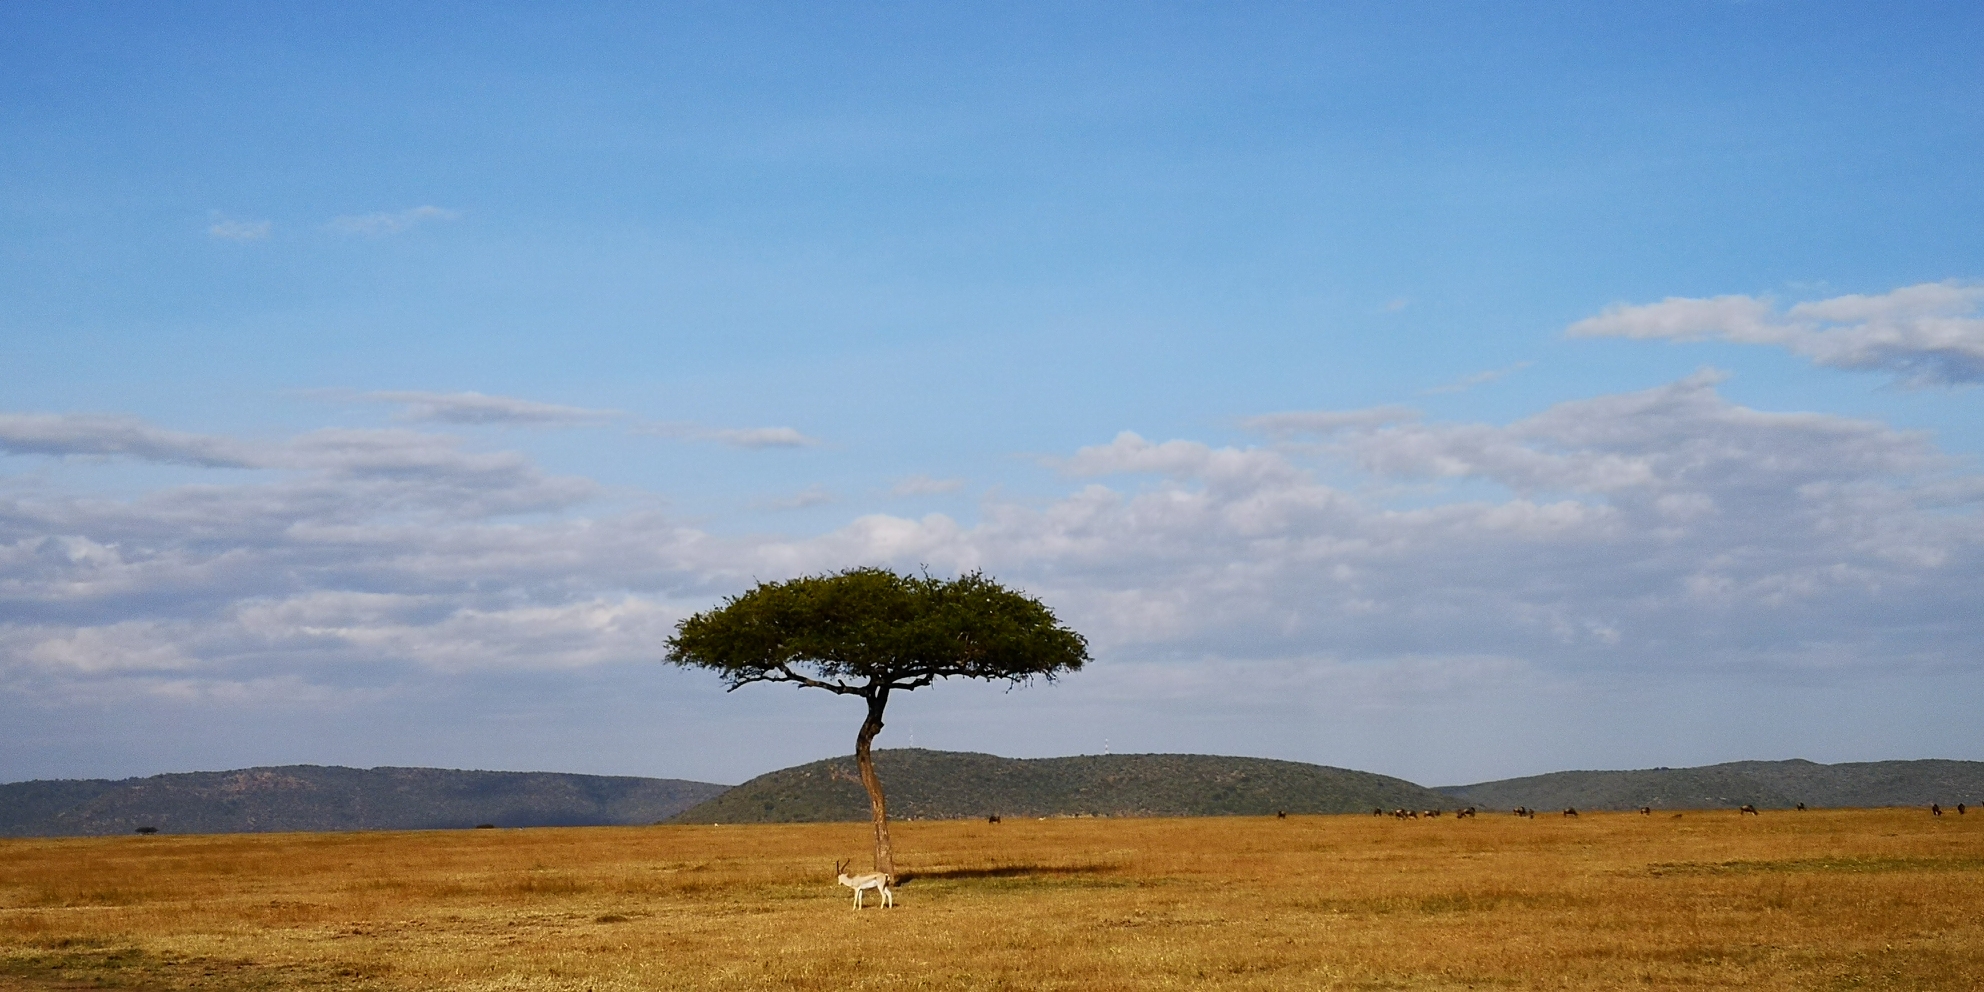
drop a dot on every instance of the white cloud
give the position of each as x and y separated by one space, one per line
1467 382
103 435
809 496
226 229
477 408
389 222
1665 534
1325 421
923 485
736 437
1928 334
763 437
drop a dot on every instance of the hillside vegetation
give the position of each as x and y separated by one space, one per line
1763 784
939 785
316 797
921 785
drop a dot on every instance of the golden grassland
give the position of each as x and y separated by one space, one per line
1865 899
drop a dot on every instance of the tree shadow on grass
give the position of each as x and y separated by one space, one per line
1003 872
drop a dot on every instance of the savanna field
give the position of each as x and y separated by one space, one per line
1873 899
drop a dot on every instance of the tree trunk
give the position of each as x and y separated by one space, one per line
878 805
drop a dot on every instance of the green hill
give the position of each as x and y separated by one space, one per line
921 784
937 785
316 797
1764 784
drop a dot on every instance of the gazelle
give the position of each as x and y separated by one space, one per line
867 880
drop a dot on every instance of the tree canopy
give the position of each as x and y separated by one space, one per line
868 632
869 629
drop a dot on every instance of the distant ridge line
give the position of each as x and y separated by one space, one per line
334 797
921 784
1763 784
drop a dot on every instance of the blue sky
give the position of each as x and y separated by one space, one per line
1447 391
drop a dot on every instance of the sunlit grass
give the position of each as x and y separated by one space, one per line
1818 900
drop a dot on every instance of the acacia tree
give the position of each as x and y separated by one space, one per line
869 632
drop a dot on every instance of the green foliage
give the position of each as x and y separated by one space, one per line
868 628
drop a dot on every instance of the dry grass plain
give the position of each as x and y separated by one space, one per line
1874 899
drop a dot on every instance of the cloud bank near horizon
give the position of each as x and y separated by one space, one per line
1659 534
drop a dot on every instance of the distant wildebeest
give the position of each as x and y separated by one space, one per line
148 831
1747 808
1377 812
1281 814
1466 812
1646 811
1959 809
1434 812
994 818
1801 807
1935 809
1570 811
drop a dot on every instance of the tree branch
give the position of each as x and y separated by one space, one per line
785 674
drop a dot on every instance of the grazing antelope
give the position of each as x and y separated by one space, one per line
1935 809
1959 809
1281 814
1801 807
1646 811
867 880
1377 812
1466 812
1570 811
1747 808
994 818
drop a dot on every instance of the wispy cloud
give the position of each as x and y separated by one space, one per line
228 229
809 496
1467 382
389 222
1326 421
471 408
762 437
923 485
119 436
1927 334
736 437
